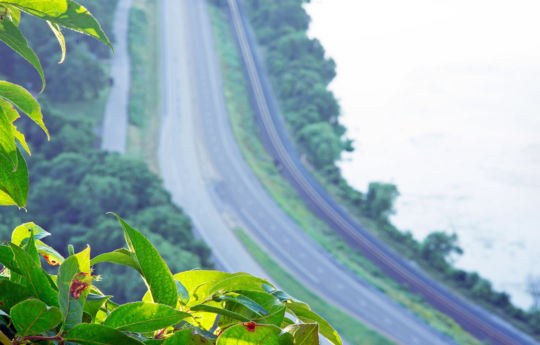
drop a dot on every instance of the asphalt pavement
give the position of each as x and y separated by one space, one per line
202 167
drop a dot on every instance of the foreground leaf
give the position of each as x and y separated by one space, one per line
74 16
13 184
8 259
304 334
220 311
35 278
144 317
55 28
7 110
72 309
250 334
93 334
156 274
23 100
303 313
23 231
8 148
13 37
11 293
4 340
34 317
116 257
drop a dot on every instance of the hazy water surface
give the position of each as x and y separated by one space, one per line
442 99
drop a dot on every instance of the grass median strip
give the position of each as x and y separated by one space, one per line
247 136
144 94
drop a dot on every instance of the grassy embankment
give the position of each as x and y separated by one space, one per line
349 328
246 132
144 95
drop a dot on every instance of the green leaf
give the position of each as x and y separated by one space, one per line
276 309
49 7
186 337
250 335
34 317
50 254
304 334
55 28
23 231
182 337
74 17
31 249
13 184
220 311
183 293
7 259
4 340
35 278
144 317
23 100
8 148
12 293
238 281
116 257
14 14
94 303
93 334
156 274
244 301
13 37
286 339
199 282
303 313
7 110
71 308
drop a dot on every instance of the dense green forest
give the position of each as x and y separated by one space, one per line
300 73
74 183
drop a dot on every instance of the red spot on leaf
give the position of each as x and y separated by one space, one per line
77 287
250 326
51 261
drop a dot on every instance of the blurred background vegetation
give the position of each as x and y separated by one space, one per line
74 183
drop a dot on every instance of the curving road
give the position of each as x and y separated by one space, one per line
204 170
476 320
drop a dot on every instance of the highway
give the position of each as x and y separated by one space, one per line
206 174
476 320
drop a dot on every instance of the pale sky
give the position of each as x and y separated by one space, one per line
442 98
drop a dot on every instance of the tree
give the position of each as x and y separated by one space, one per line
321 144
380 200
437 248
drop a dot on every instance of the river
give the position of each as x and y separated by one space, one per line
441 98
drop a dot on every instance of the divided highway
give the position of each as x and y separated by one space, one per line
206 174
476 320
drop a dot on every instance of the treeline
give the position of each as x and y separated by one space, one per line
74 183
300 73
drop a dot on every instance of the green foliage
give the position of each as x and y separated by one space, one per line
80 313
57 13
300 74
380 200
438 246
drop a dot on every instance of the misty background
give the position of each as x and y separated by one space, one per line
441 99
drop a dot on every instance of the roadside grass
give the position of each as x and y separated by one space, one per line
355 332
92 109
247 135
144 94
